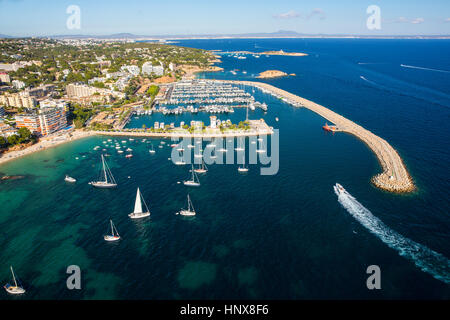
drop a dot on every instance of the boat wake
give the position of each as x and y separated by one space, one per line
426 259
371 82
422 68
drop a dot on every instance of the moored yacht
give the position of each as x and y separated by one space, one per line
194 182
70 179
14 289
138 211
114 236
190 211
107 179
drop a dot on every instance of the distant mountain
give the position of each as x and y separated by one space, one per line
277 34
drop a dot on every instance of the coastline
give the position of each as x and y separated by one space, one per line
393 178
79 134
46 143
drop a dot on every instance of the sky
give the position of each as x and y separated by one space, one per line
190 17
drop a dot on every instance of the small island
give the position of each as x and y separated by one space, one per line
271 74
282 53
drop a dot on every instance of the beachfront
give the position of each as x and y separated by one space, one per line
46 143
393 178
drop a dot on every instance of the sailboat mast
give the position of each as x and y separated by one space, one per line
112 230
246 118
104 169
14 277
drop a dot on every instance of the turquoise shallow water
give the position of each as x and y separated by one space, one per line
272 237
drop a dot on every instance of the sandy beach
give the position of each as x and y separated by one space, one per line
46 143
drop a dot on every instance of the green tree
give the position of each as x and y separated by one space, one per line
153 90
13 140
3 142
24 135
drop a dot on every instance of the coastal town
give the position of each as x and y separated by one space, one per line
103 85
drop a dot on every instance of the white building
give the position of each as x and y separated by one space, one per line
213 120
4 77
17 84
134 70
156 126
53 104
149 69
6 130
158 70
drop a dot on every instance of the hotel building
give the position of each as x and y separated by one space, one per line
18 100
4 77
6 130
45 121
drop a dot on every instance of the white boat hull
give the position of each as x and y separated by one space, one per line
103 185
111 238
187 213
191 183
14 290
139 215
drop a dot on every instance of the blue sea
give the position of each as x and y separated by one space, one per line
283 236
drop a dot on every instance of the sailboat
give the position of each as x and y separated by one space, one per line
180 162
152 149
114 236
138 212
222 149
261 146
13 289
111 183
201 168
190 211
240 147
70 179
243 168
194 182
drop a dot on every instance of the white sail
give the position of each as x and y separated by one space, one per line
138 204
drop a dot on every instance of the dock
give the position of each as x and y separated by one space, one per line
393 178
257 128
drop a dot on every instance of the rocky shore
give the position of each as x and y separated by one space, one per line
271 74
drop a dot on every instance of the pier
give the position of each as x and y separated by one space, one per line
257 128
393 178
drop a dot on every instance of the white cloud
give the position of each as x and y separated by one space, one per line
294 14
418 20
406 20
447 20
401 20
287 15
